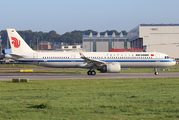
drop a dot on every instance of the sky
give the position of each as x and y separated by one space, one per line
99 15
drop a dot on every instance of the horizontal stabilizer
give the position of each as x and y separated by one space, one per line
16 56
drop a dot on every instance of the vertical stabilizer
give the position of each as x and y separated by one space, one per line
18 45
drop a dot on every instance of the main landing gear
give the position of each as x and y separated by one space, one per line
91 72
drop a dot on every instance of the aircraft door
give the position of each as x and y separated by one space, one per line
35 58
73 58
157 57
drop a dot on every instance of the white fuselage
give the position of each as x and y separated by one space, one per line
74 60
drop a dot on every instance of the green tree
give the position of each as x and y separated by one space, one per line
124 32
73 37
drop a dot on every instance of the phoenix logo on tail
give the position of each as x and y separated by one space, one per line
16 42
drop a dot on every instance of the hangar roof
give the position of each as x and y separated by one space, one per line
159 24
106 35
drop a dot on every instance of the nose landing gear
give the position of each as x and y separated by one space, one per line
156 71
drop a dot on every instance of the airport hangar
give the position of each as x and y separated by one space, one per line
162 38
103 43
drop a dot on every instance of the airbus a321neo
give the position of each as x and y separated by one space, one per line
110 62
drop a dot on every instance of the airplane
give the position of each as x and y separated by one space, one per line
105 62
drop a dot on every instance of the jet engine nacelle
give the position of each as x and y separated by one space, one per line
114 67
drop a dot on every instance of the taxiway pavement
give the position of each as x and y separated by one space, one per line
66 76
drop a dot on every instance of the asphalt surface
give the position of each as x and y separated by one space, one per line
66 76
75 76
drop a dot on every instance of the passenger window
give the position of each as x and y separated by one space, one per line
166 57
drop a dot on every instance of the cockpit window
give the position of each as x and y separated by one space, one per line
167 57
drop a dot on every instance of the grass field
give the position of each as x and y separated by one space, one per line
18 66
152 98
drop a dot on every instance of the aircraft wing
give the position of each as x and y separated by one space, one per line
92 62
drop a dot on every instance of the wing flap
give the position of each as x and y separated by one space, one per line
92 62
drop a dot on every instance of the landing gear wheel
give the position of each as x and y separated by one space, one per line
89 72
156 73
93 72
